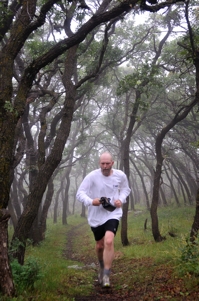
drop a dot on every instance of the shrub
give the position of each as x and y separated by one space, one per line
26 275
189 260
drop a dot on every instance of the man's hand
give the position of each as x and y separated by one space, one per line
118 203
96 202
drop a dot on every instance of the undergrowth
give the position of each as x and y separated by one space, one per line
46 275
26 275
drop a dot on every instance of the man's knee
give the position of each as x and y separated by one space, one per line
109 239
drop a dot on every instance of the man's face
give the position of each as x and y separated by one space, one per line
106 164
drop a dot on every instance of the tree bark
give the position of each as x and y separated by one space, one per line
195 225
44 213
172 187
125 166
143 184
163 197
57 201
174 163
7 285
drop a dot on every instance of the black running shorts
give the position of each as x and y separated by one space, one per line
110 225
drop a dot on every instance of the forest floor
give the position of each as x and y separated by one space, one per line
131 279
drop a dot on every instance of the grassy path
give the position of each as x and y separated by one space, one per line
143 271
132 279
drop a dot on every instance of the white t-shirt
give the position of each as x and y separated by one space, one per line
96 185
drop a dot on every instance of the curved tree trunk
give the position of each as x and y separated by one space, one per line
181 114
46 170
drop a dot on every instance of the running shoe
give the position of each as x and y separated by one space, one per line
105 281
100 276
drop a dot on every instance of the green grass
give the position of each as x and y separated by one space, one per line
59 282
55 283
177 220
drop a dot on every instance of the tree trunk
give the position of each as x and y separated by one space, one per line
156 185
163 197
49 165
74 202
57 201
125 165
14 203
195 225
83 212
124 220
180 115
64 207
6 146
66 210
131 200
7 285
172 187
181 179
44 213
35 197
143 184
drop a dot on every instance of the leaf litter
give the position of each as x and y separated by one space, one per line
131 279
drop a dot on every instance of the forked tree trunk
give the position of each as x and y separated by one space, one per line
51 163
7 285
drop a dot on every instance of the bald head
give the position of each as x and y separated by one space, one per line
106 155
106 162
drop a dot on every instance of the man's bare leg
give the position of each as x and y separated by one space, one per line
108 256
99 251
108 253
105 255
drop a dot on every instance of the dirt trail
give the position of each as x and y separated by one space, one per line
100 294
131 280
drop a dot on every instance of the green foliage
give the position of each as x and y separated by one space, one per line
16 244
25 275
4 12
189 259
195 144
8 107
37 47
54 281
138 80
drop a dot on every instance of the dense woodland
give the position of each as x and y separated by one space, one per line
79 78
